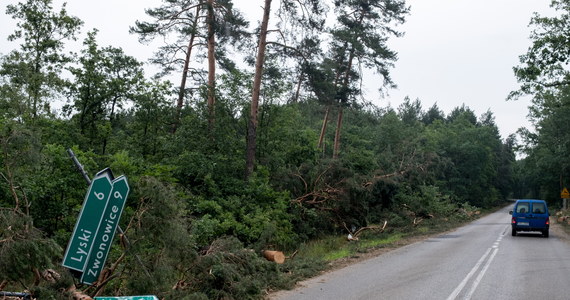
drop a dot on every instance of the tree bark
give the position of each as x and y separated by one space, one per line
252 124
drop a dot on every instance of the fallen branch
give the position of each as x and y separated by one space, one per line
78 294
292 255
417 221
354 237
107 275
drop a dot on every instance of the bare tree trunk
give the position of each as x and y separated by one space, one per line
337 133
324 127
298 91
211 64
182 90
252 125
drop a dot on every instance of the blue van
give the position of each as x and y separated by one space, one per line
530 215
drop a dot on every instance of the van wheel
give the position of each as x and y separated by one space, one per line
514 232
545 233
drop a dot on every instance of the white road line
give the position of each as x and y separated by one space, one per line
460 287
481 274
466 279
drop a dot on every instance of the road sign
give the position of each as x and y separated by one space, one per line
88 222
104 237
565 194
128 298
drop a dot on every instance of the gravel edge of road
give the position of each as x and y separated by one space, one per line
561 231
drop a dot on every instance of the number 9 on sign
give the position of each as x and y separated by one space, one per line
117 195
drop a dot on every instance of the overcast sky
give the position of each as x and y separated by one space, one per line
453 52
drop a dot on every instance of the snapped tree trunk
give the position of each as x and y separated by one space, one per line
324 127
252 124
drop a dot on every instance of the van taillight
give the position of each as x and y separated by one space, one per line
514 221
547 221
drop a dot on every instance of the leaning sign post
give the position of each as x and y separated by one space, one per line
96 225
104 237
88 222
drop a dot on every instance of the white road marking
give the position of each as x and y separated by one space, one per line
481 274
461 286
466 279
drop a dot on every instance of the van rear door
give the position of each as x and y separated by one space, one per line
538 215
522 214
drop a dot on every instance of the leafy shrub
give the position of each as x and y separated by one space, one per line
23 248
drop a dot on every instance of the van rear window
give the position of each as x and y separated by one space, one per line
538 208
523 207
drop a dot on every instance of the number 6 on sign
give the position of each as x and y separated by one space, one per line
118 195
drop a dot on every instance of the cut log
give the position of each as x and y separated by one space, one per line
275 256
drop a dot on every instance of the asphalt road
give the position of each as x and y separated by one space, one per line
478 261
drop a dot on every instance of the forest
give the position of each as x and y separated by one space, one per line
265 142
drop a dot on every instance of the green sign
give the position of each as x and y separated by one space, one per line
128 298
88 222
104 237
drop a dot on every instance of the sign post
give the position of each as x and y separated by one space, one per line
565 195
104 237
88 222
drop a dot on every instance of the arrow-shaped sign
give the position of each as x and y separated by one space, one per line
88 222
104 237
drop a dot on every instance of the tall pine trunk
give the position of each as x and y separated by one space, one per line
327 112
252 124
211 64
345 84
182 90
